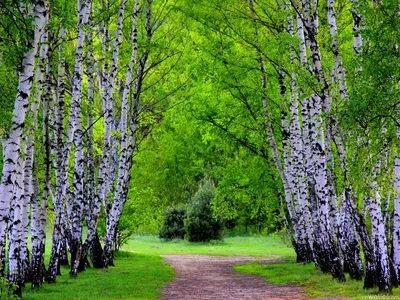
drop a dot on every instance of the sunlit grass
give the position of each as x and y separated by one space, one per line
316 283
249 245
140 272
140 275
135 276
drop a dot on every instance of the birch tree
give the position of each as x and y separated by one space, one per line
76 123
396 217
12 145
91 212
58 202
84 10
128 134
39 208
373 204
349 240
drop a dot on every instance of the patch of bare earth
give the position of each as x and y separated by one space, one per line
202 277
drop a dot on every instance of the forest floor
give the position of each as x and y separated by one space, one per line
204 277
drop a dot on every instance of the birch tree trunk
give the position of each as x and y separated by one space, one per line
299 169
84 11
288 191
77 209
327 252
108 105
370 280
92 245
38 228
339 70
348 238
396 216
12 145
357 27
305 113
76 203
379 236
31 189
14 237
58 236
128 134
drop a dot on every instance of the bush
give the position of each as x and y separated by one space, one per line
7 289
173 227
200 226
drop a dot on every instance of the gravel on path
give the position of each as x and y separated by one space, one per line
203 277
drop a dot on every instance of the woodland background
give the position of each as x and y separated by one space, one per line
112 112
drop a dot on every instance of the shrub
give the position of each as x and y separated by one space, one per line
7 289
173 227
200 226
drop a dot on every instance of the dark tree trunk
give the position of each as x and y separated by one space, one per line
63 253
370 280
76 256
38 268
96 253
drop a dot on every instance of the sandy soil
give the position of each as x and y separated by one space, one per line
202 277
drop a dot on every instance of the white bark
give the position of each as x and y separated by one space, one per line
77 208
12 145
93 202
396 209
84 11
128 134
348 238
357 27
299 167
396 216
339 70
108 105
305 112
76 203
31 191
14 241
296 141
327 252
379 236
59 132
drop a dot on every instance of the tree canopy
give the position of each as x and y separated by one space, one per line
114 112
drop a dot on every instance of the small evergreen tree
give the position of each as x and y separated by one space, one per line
173 227
200 225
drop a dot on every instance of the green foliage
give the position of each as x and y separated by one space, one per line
123 233
246 194
200 225
174 227
7 289
15 31
143 212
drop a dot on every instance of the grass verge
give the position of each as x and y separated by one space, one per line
135 276
140 272
248 245
316 284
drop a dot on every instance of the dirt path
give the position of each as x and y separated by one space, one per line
202 277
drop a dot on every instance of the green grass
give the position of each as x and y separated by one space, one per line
135 276
251 245
314 281
140 272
